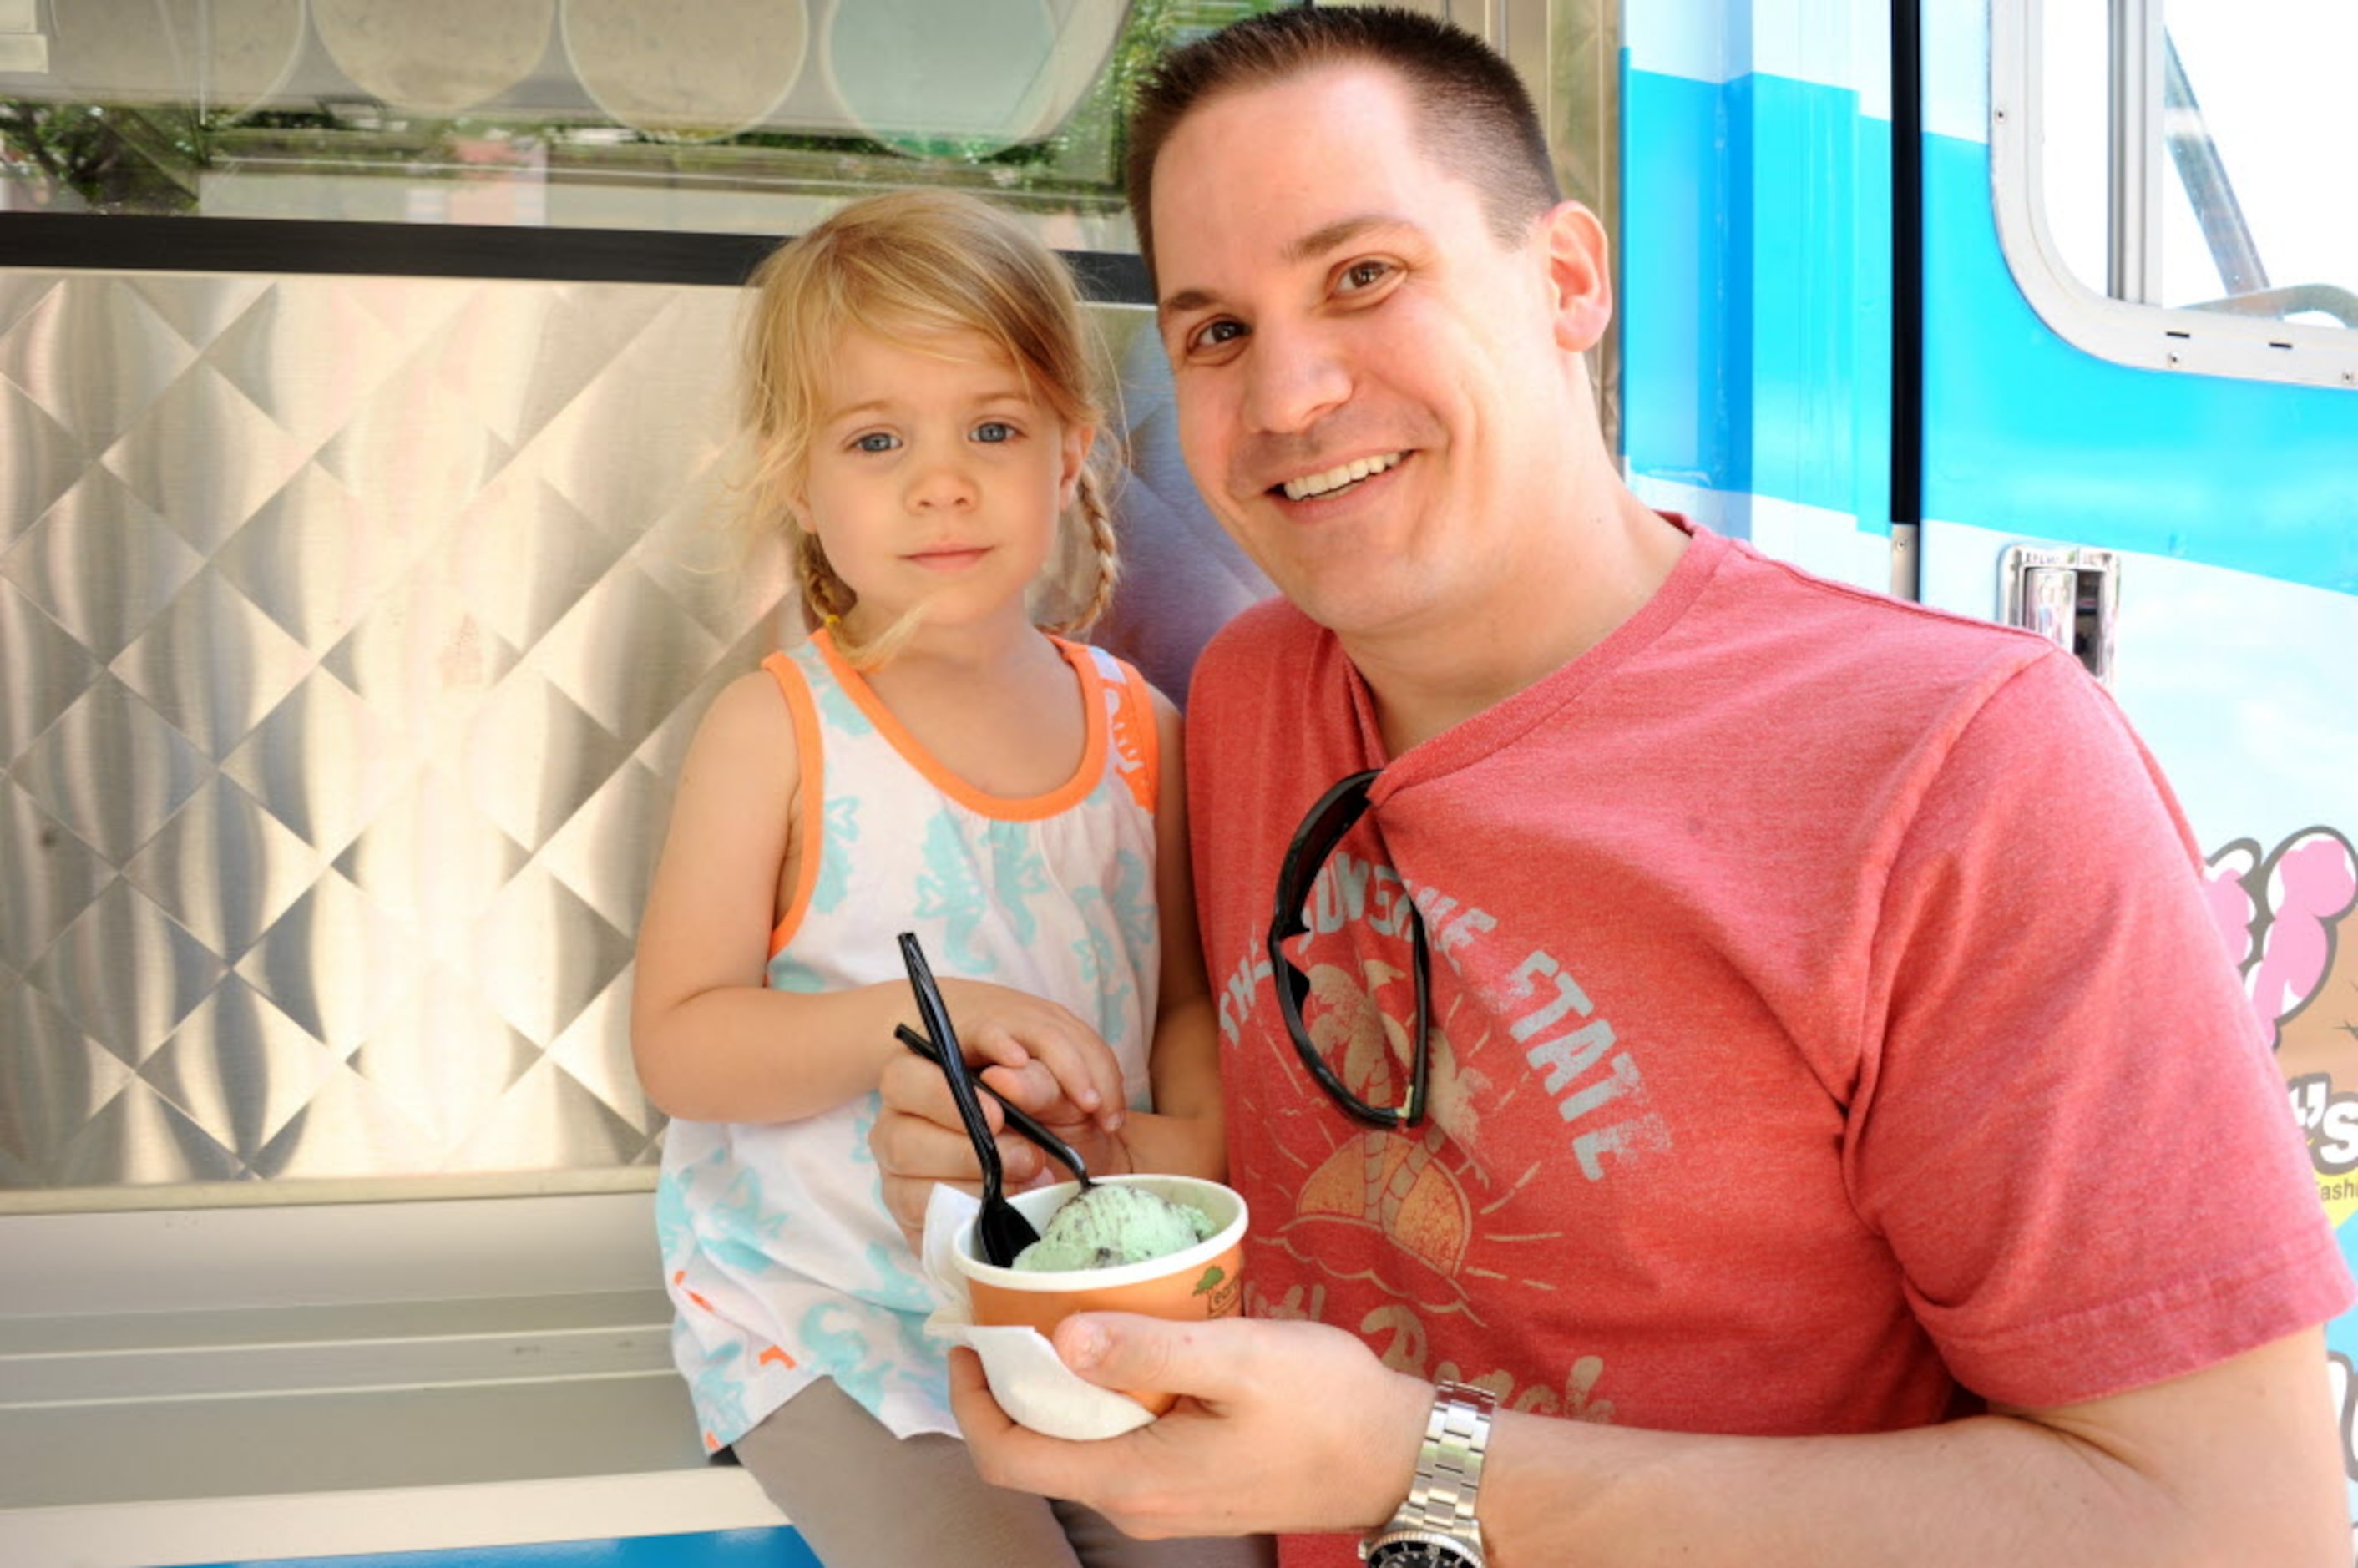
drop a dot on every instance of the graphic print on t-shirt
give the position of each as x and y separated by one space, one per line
1412 1230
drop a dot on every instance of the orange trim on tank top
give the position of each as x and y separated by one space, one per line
1065 797
810 825
1136 721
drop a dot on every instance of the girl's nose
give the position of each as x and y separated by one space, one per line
944 482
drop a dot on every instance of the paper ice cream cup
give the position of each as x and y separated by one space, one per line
1193 1284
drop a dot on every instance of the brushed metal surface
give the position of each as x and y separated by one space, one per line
349 634
352 632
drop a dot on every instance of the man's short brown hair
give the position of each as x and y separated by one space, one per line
1474 116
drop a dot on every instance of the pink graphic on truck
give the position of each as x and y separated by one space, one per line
2288 918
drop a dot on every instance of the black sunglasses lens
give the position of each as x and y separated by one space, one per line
1313 841
1321 831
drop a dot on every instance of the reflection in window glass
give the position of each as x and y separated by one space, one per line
2073 143
697 115
2269 85
2257 150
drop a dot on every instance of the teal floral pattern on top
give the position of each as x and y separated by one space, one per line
841 824
1018 876
839 708
789 974
951 890
1102 961
898 1283
779 1256
742 1228
1131 899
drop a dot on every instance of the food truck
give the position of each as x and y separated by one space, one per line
365 459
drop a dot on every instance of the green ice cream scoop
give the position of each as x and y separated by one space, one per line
1110 1225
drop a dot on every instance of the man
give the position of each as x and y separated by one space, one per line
1832 1094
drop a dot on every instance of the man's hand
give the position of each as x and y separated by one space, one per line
1297 1428
1280 1426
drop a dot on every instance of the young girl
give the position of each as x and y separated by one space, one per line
929 760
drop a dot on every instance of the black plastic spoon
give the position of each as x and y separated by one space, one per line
1001 1228
1055 1148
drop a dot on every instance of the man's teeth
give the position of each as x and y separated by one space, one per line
1338 476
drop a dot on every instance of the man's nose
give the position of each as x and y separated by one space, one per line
1294 379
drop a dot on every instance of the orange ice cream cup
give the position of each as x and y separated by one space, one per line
1195 1284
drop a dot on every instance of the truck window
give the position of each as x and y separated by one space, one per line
2167 176
719 117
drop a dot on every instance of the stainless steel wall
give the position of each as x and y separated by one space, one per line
349 631
352 631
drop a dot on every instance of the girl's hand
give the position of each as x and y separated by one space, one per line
1040 1057
1052 1063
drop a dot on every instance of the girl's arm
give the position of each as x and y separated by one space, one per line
1184 1134
710 1042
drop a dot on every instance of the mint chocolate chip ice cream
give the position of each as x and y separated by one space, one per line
1109 1226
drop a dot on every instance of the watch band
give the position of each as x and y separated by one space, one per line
1441 1499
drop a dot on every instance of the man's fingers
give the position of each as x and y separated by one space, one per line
1017 1458
977 1413
1123 1350
1005 1454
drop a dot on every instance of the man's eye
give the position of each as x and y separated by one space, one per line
1364 274
874 441
1217 334
994 430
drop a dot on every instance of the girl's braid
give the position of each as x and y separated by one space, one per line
826 595
1089 501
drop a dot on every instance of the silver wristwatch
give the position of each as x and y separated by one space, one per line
1434 1528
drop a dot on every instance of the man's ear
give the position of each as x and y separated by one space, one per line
1580 274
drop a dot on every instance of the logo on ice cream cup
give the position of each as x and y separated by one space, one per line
1206 1280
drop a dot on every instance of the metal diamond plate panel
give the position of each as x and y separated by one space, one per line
350 630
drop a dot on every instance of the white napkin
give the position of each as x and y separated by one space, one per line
1026 1378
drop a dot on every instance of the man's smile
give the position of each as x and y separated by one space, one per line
1331 480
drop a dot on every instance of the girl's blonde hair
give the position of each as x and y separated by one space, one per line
917 264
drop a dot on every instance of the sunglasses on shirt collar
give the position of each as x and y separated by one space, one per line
1334 815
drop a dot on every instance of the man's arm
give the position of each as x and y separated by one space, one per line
1297 1427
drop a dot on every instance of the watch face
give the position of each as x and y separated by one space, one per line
1421 1554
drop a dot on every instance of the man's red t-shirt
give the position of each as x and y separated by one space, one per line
1827 1030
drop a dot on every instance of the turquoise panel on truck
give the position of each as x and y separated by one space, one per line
2027 433
779 1548
1756 291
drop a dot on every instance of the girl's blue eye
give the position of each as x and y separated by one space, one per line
874 441
993 430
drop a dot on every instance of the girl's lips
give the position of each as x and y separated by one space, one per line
949 560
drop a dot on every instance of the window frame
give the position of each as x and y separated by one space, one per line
2146 336
34 241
